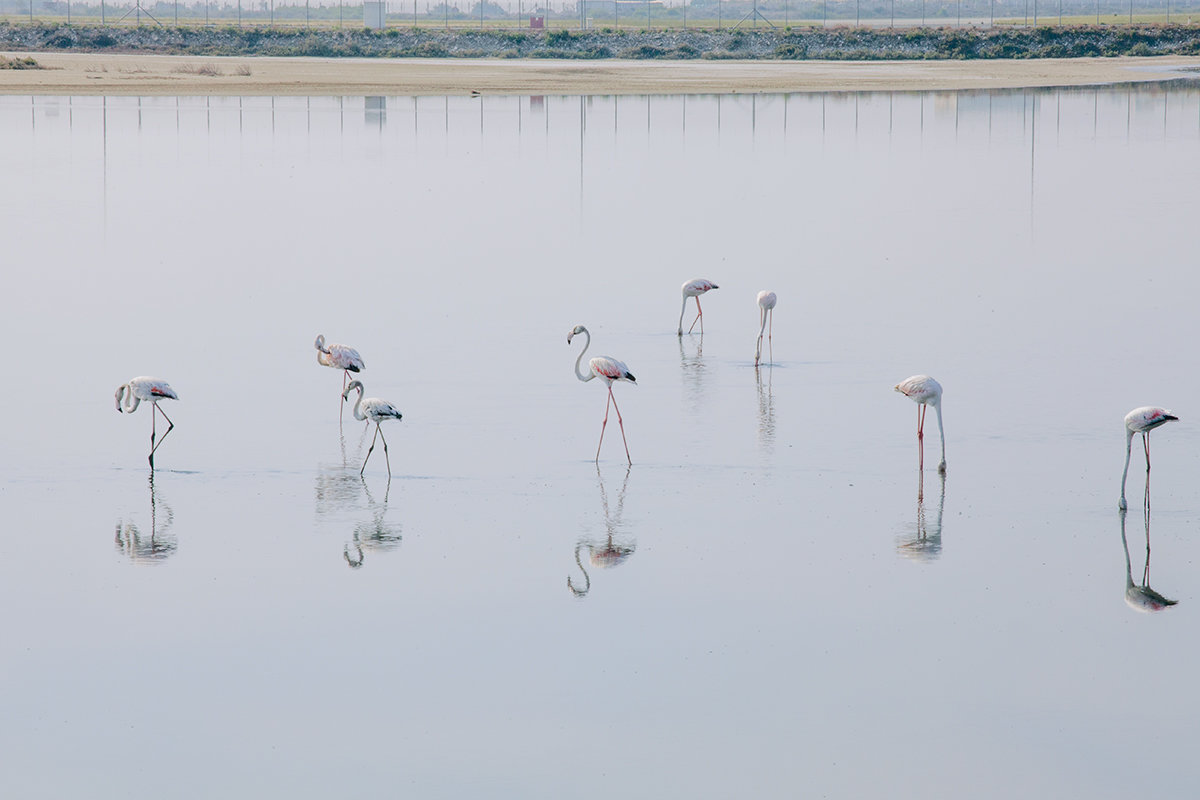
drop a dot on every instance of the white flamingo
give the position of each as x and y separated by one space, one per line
766 307
1142 420
925 391
608 370
130 396
694 288
375 410
339 356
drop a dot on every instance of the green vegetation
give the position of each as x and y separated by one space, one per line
832 43
28 62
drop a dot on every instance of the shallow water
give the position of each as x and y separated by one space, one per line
761 605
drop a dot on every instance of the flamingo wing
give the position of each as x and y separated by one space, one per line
611 368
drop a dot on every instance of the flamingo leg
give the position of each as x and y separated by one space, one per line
171 426
762 322
921 436
1146 501
604 424
770 344
699 317
620 422
387 460
372 447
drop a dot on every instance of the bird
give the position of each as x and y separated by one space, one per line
694 288
131 394
1141 420
925 391
339 356
766 307
374 410
608 370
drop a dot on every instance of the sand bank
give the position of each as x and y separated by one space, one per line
123 74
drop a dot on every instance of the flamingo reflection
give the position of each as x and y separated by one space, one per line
611 551
159 544
766 409
695 371
1141 597
924 541
375 536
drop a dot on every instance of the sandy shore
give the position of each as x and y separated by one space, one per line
94 74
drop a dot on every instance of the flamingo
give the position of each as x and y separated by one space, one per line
925 391
766 307
339 356
130 395
375 410
1141 420
694 288
608 370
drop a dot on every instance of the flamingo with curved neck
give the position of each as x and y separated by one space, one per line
608 370
375 410
1142 420
130 395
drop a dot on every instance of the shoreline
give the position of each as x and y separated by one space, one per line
158 75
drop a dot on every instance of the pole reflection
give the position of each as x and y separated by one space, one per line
922 541
159 544
617 546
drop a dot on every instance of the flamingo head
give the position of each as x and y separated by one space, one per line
121 395
576 330
320 343
353 385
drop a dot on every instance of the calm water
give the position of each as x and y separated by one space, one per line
762 606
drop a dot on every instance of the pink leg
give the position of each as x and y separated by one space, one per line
604 424
921 436
770 324
620 422
699 317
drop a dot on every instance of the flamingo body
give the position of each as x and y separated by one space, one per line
925 392
1141 420
338 356
694 288
766 308
375 410
608 370
143 388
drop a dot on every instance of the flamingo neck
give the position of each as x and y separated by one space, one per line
682 310
132 401
358 414
1125 473
579 372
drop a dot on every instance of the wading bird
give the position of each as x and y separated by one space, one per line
130 395
1142 420
766 307
925 391
375 410
339 356
608 370
694 289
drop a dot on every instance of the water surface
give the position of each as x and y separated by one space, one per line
770 602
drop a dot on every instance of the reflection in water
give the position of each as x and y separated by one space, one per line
375 536
159 544
923 541
695 371
615 549
766 410
1141 597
